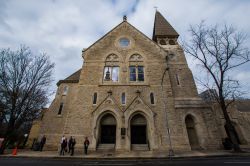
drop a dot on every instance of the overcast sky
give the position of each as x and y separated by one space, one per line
62 28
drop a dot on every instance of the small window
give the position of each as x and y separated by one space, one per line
124 42
111 73
60 109
123 98
162 42
65 90
152 98
177 79
95 98
136 73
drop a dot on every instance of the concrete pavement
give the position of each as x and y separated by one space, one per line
124 155
215 161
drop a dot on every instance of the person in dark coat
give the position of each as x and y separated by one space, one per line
42 142
63 143
86 145
73 146
70 144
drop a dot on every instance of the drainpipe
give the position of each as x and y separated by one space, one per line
171 151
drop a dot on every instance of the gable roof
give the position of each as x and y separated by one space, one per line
162 27
124 21
73 78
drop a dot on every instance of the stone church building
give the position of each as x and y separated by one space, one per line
134 93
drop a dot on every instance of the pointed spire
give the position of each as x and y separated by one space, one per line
162 28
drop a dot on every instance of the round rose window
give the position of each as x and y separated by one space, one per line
124 42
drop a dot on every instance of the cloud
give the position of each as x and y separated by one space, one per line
63 28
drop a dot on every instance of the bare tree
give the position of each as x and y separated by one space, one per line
219 51
24 87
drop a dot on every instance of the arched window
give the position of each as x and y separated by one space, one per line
111 68
162 42
65 90
60 109
152 98
171 42
95 98
123 98
177 79
136 68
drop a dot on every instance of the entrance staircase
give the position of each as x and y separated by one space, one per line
140 147
106 147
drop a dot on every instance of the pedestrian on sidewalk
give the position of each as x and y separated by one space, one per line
70 144
42 142
62 145
73 146
86 145
66 145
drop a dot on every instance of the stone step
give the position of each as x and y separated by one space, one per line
140 147
106 147
245 147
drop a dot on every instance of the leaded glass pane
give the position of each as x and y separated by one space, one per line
115 74
105 72
132 71
140 73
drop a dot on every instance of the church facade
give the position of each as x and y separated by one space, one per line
132 93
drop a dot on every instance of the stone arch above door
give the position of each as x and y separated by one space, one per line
107 129
149 116
191 129
138 129
96 120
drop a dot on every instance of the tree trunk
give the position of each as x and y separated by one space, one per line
7 136
231 132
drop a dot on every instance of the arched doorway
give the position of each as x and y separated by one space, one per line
107 129
191 131
138 126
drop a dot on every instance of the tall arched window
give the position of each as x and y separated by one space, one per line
177 79
95 98
111 68
136 68
152 98
60 109
123 98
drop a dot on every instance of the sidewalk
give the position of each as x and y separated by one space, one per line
127 155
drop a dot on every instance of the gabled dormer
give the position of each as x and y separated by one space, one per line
164 33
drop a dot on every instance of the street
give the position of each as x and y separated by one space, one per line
216 161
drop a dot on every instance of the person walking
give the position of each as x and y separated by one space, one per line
73 146
65 145
42 142
62 145
86 145
70 144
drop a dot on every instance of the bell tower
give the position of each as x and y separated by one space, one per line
181 77
164 33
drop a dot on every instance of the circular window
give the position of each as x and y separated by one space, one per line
124 42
